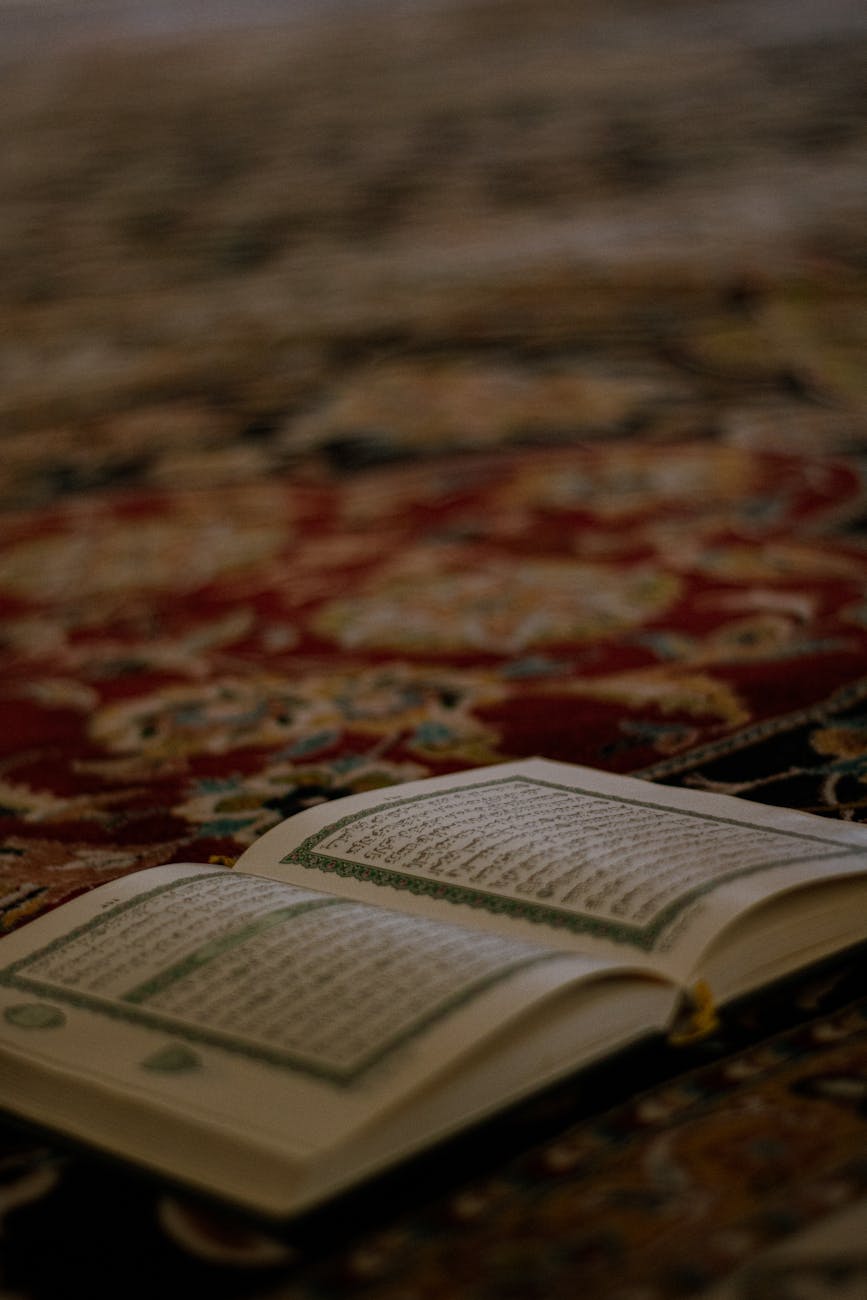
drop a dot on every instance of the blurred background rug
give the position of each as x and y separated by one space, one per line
391 388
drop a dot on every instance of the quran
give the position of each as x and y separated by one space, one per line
377 973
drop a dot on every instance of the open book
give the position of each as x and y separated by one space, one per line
376 973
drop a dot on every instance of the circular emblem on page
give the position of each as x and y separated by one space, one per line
174 1059
35 1015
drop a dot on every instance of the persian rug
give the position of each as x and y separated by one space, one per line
393 389
184 669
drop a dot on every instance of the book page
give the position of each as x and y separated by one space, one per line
260 1007
581 860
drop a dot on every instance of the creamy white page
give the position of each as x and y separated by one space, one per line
582 860
276 1012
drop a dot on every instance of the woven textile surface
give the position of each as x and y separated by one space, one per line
393 389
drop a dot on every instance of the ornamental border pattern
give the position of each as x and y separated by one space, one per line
645 937
128 1008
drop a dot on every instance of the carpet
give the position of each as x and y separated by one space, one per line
396 389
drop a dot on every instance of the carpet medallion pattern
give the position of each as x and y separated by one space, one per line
182 669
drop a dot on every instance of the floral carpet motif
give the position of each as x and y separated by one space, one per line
183 669
389 396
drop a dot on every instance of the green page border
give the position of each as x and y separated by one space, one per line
643 937
130 1010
